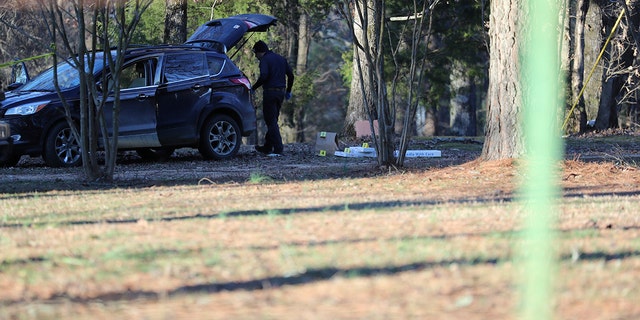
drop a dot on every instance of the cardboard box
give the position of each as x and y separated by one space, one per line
326 143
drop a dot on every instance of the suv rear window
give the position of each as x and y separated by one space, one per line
185 66
215 65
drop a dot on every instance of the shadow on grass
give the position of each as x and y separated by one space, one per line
276 211
275 282
310 276
375 205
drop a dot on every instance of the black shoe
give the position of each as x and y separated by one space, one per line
263 149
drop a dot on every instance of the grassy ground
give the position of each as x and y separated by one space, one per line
431 243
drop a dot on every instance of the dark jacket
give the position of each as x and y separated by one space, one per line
273 69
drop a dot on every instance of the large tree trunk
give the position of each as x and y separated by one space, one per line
504 135
175 22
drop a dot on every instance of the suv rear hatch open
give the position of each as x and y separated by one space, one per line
222 34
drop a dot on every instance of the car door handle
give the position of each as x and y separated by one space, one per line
196 87
142 96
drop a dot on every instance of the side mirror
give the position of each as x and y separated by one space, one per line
19 75
14 86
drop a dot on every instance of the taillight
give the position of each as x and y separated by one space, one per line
243 81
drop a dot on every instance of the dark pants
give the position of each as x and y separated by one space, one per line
272 101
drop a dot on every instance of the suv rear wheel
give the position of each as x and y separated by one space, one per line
61 148
220 138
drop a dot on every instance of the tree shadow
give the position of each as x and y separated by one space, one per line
310 276
373 205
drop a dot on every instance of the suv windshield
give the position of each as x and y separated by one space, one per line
67 78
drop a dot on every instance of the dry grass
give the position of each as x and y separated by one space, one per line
424 244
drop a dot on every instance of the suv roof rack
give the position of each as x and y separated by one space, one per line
174 47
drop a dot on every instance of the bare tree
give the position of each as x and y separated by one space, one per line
368 16
419 37
99 27
370 62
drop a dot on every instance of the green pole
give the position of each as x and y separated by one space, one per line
541 100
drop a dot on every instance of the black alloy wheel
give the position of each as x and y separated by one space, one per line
61 148
220 138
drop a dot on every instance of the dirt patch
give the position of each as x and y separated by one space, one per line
187 167
613 150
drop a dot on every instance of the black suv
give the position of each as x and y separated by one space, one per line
191 95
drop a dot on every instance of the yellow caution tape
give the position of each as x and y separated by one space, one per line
8 64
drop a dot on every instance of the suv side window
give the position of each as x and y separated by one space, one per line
184 66
215 64
136 75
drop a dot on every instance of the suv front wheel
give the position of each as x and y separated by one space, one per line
220 138
61 148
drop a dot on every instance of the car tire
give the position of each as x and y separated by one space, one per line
155 154
220 138
8 158
61 148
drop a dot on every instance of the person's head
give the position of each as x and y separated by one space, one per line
260 48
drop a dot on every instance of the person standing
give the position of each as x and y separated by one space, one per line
275 88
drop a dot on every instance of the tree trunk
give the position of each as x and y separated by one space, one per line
616 58
361 78
175 22
504 135
304 40
462 105
576 57
608 109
